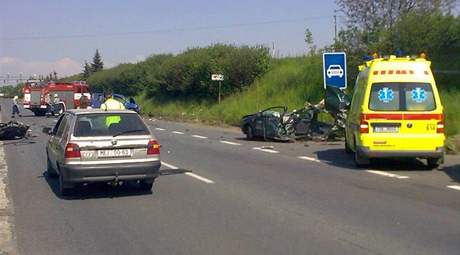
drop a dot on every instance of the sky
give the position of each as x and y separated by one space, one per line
41 36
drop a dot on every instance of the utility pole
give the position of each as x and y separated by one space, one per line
335 27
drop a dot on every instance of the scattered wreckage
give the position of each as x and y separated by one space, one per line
13 130
276 123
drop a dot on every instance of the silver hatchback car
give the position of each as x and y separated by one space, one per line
93 145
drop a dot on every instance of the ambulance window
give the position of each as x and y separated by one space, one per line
418 97
385 97
402 96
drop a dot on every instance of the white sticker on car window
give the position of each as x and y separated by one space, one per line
418 95
386 95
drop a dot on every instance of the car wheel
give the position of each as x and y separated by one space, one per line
49 168
64 190
249 133
434 163
146 185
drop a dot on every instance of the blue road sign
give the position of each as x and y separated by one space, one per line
335 69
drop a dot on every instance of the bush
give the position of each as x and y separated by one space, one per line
188 75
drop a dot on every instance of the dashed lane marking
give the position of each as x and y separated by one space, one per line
199 136
230 143
382 173
456 187
196 176
265 150
160 129
309 158
177 132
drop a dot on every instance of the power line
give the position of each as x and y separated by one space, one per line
163 31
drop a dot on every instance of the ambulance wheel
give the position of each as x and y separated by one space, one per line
361 160
434 163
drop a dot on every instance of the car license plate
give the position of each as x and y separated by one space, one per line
386 129
116 153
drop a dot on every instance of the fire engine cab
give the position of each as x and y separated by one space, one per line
33 96
69 94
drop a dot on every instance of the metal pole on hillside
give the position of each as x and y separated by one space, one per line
220 86
219 78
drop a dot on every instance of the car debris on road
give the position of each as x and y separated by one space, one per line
13 130
276 123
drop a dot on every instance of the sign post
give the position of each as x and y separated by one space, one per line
220 78
335 69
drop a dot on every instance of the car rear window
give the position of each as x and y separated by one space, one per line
109 124
402 96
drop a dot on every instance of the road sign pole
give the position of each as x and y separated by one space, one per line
220 85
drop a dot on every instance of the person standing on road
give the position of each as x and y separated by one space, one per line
58 105
84 103
112 104
15 107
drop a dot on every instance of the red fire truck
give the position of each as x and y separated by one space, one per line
33 96
68 92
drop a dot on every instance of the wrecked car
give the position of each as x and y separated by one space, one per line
266 124
276 123
13 130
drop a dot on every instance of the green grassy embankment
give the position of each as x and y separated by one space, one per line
290 82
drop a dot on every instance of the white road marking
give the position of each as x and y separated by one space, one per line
230 143
265 150
177 132
160 129
199 136
201 178
382 173
196 176
7 245
456 187
309 158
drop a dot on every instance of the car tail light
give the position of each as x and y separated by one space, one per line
440 125
72 150
153 148
363 125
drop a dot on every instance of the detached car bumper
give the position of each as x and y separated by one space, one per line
365 151
110 172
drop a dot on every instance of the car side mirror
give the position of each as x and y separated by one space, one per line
47 130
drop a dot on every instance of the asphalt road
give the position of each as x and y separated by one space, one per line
221 194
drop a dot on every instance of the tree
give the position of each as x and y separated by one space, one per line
309 41
371 15
86 70
97 64
55 77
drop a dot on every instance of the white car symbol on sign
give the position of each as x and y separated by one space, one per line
334 70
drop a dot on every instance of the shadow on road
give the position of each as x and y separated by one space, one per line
339 158
17 142
103 190
96 190
166 172
453 172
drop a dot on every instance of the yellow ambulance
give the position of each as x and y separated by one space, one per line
396 112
